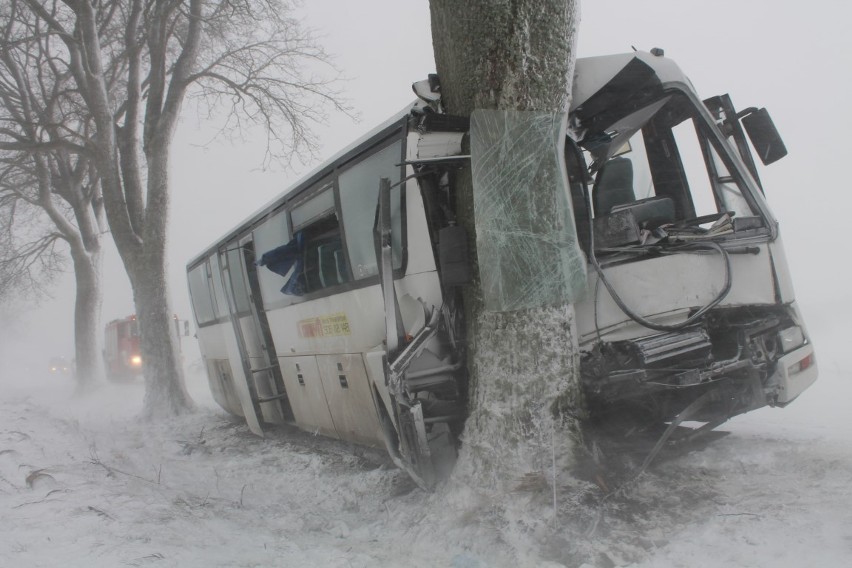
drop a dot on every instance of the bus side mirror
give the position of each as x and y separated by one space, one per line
763 135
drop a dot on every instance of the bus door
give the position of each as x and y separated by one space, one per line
257 350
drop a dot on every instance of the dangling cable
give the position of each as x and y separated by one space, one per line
696 246
691 319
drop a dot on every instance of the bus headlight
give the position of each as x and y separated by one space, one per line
136 361
791 338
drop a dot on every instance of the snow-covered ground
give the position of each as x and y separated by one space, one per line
83 483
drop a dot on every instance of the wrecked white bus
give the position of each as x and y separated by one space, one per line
337 306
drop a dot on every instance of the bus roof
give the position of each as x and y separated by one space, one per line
307 180
591 76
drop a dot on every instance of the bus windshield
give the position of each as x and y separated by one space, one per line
662 162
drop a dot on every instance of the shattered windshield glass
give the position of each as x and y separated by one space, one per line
525 235
662 163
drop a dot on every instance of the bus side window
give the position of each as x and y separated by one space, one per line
317 238
321 249
235 284
359 195
202 298
317 256
313 258
273 233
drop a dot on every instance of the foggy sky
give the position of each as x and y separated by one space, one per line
792 58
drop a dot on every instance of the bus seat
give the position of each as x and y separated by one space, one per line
340 264
329 268
650 213
613 186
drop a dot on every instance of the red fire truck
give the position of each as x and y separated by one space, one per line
122 349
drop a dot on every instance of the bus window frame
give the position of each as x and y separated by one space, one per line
706 132
229 247
396 185
331 178
734 163
208 277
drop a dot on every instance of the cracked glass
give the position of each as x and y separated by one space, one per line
526 238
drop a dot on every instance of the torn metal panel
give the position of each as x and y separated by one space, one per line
438 144
525 234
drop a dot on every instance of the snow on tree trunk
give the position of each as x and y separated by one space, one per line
129 66
138 220
89 364
512 55
165 391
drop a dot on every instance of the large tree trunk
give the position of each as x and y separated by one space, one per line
89 368
165 389
140 236
132 67
511 55
145 262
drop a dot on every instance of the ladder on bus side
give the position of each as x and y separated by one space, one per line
269 368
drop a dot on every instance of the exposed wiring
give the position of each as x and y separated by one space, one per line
694 247
597 327
691 319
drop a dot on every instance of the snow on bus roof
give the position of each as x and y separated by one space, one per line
591 74
306 179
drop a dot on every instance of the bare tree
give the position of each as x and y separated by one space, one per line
31 257
133 63
511 55
49 193
41 222
30 254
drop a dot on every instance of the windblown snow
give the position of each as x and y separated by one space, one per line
84 483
